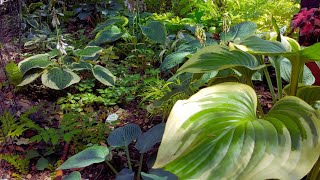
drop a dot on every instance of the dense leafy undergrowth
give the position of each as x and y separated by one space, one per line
159 90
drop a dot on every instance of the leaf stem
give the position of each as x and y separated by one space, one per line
111 167
140 166
128 157
295 72
260 110
266 73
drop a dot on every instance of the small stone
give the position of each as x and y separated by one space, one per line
29 176
112 117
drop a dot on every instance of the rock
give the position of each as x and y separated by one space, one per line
29 176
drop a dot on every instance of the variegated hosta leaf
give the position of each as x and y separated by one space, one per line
109 34
215 57
310 94
30 76
36 61
89 51
82 65
118 20
216 135
59 78
103 75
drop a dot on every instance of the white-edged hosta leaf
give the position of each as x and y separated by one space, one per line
72 176
216 134
285 68
109 34
79 66
123 136
310 94
30 76
103 75
89 51
239 31
150 138
36 61
215 58
59 78
155 31
91 155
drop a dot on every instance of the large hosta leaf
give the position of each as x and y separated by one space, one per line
216 135
103 75
240 31
30 76
109 34
36 61
150 138
59 78
91 155
155 31
89 51
123 136
215 57
118 20
310 94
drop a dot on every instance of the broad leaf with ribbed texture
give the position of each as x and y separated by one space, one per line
108 34
239 31
310 94
103 75
91 155
173 60
30 76
155 31
150 138
59 78
216 134
89 51
36 61
216 57
118 20
123 136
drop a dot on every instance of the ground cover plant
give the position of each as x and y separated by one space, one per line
159 90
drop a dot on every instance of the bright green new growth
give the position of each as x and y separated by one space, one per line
216 135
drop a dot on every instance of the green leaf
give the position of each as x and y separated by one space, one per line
285 67
14 73
158 174
30 76
240 31
310 94
82 65
155 31
36 61
59 78
215 57
150 138
72 176
257 45
123 136
109 34
89 51
42 163
103 75
173 60
118 20
125 174
32 154
91 155
216 134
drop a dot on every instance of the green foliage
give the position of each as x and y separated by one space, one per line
20 163
14 73
218 126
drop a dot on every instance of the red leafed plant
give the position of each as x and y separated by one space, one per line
308 22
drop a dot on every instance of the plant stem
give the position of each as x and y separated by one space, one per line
266 73
295 72
279 80
260 110
128 157
140 166
111 167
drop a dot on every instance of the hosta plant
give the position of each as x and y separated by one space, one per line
58 72
218 132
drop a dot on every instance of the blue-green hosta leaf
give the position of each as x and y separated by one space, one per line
30 76
239 31
285 67
89 51
109 34
155 31
36 61
118 20
125 174
216 134
150 138
123 136
91 155
72 176
215 58
173 60
82 65
42 163
103 75
158 174
59 78
257 45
